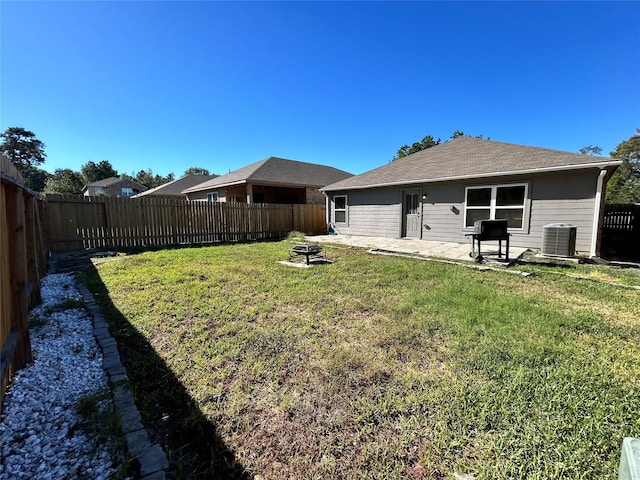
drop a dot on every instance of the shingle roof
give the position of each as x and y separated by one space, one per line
274 170
105 182
467 157
175 187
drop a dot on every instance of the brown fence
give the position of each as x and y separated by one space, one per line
23 261
77 222
621 233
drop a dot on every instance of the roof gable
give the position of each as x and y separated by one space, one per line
467 157
274 170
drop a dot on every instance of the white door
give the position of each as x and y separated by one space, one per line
411 215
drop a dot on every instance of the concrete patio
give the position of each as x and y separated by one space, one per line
425 248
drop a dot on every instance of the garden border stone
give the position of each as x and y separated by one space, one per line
151 457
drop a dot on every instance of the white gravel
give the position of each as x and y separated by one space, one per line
40 430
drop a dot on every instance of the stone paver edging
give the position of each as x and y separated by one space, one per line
152 459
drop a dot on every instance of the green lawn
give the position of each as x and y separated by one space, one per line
374 366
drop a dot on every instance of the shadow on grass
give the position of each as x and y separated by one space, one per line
171 416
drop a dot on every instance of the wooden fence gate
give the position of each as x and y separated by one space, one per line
621 233
77 222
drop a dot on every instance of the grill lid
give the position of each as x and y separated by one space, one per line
491 228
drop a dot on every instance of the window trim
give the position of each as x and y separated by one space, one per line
345 209
210 197
493 207
127 194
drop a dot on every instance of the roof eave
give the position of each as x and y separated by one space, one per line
200 188
270 183
485 175
253 182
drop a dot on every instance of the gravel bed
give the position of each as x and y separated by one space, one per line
42 435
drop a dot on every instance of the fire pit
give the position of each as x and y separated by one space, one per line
307 250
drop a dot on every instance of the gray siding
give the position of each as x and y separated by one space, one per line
371 213
564 198
443 212
567 197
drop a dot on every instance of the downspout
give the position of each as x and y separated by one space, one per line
421 198
327 211
597 213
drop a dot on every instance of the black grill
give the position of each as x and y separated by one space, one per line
489 230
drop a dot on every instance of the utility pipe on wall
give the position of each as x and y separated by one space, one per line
597 212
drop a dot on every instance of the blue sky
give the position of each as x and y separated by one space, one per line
169 85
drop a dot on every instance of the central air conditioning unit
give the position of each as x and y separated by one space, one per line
559 239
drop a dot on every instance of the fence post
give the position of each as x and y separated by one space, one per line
18 265
42 236
33 273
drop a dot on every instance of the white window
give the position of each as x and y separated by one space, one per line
127 192
494 202
100 191
340 208
212 197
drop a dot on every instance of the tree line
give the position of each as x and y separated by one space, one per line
27 153
623 187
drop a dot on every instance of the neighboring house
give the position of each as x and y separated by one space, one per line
438 193
113 187
273 180
174 188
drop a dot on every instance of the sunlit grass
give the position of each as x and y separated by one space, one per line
382 367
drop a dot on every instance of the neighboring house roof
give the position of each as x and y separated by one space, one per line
277 171
107 182
468 157
175 187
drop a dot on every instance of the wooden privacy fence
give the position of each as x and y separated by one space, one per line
77 222
621 232
23 261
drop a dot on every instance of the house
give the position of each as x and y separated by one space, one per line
438 193
113 187
174 188
273 180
